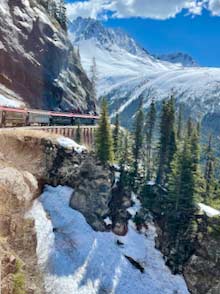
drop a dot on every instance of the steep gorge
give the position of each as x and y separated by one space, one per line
31 159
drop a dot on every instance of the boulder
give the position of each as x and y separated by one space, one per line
93 193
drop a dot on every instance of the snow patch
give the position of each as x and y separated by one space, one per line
4 101
70 144
136 207
151 183
209 211
108 221
76 259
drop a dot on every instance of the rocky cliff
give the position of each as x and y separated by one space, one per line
37 61
28 161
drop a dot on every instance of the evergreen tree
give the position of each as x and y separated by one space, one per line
138 140
78 54
104 143
94 76
181 202
125 159
149 127
210 182
167 140
57 9
189 127
62 14
116 139
78 134
180 123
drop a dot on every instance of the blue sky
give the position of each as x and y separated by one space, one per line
163 29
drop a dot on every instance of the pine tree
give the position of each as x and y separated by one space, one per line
189 127
180 123
210 182
183 194
149 127
104 142
126 159
167 140
138 140
78 134
116 139
78 53
94 76
63 17
57 9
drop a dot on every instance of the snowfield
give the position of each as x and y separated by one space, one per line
76 259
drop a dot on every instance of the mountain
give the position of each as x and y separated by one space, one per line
127 72
38 64
183 59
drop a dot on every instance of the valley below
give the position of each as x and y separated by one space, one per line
47 246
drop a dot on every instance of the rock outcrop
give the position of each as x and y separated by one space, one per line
198 254
50 163
38 62
202 272
19 271
28 161
93 193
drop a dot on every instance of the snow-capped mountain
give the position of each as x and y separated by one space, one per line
183 59
83 29
127 73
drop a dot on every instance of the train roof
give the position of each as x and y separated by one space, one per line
46 112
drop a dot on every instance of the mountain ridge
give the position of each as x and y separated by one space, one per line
124 78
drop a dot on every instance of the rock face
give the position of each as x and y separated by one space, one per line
19 271
28 160
38 62
202 272
93 193
51 163
198 254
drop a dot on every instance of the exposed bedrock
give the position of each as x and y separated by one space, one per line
95 193
37 61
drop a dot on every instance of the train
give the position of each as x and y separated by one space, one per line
18 117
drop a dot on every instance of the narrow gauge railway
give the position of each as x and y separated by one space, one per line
15 117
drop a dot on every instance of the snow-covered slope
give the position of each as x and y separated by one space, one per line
127 72
76 259
179 58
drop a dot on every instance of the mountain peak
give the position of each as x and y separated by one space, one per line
82 29
179 58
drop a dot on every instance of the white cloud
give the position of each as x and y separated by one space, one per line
214 7
155 9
